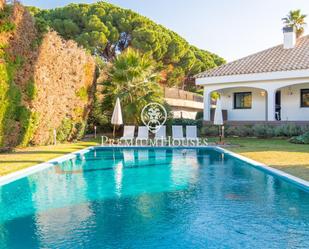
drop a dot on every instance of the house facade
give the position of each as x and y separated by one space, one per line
268 86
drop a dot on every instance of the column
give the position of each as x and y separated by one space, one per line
271 105
207 102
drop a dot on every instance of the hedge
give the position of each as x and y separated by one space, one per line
258 130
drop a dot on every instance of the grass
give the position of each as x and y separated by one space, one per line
23 158
277 153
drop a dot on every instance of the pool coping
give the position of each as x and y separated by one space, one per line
6 179
303 184
11 177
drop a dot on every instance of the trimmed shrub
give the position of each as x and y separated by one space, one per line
263 131
288 130
210 130
186 121
239 131
258 130
301 139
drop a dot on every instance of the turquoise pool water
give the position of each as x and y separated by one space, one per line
153 198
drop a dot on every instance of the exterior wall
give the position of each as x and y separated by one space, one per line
195 105
256 113
290 104
183 112
184 108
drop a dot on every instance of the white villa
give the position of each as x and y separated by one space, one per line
271 85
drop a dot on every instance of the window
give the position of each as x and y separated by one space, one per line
243 100
304 97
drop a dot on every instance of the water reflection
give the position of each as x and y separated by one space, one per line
114 195
118 178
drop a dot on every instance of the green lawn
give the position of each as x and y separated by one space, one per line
277 153
23 158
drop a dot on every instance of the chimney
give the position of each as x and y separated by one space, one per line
289 37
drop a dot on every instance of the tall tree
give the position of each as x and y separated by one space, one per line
107 30
296 20
132 78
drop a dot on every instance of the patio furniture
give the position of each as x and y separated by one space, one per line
142 134
128 133
177 133
160 136
191 133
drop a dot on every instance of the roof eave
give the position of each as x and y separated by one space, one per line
267 76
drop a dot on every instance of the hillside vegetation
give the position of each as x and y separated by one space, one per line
62 69
107 30
44 82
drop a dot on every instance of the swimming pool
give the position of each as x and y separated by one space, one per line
153 198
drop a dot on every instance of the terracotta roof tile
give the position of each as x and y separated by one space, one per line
270 60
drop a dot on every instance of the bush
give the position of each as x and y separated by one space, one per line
263 131
210 130
31 90
301 139
240 131
80 130
288 130
6 27
258 130
64 131
199 115
186 121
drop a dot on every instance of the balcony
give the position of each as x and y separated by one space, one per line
184 104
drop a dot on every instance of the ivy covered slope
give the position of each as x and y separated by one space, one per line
45 82
106 30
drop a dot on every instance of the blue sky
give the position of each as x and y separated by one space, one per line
230 28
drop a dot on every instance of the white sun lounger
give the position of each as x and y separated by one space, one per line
177 133
128 133
191 133
142 134
161 135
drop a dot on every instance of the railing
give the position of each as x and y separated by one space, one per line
174 93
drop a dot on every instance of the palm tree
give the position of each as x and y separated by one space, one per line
133 79
295 20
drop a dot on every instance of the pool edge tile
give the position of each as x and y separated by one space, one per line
11 177
301 183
